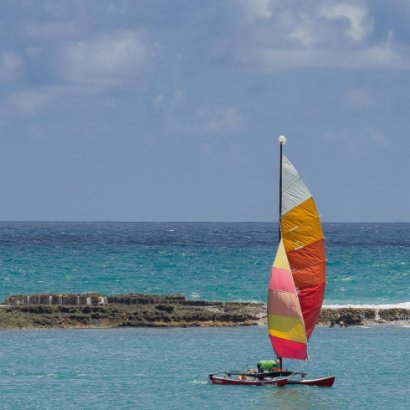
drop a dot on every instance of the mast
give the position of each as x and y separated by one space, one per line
282 142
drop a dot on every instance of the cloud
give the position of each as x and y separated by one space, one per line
26 104
225 120
303 35
30 101
359 98
51 31
377 138
299 35
203 121
111 59
10 65
169 103
359 22
366 140
380 57
255 9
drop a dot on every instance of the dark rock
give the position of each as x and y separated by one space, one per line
94 310
165 308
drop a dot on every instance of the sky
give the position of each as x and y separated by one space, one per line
134 110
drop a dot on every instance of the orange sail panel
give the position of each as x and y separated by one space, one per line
285 321
302 236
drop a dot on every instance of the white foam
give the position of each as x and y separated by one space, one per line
403 305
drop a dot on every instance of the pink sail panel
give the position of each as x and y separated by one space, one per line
285 322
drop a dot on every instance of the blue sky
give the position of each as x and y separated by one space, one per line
170 110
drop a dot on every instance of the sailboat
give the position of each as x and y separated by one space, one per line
296 286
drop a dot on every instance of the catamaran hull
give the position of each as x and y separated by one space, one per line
284 374
226 380
323 381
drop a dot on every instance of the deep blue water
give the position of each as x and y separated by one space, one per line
168 368
367 263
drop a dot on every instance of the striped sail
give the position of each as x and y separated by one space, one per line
285 321
301 257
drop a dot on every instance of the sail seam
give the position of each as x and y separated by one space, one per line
299 178
307 221
283 291
309 266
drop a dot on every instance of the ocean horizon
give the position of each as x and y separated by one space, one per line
201 260
141 368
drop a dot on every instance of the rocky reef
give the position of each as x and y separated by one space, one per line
96 311
363 316
92 310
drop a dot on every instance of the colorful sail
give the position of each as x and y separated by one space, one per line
297 284
302 236
285 321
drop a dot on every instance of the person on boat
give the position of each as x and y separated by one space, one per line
268 366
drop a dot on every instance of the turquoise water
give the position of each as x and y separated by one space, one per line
367 263
168 368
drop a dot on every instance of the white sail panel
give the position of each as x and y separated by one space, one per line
294 190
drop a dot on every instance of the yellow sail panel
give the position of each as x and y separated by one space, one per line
288 328
281 260
304 235
298 215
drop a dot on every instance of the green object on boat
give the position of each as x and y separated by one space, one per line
267 365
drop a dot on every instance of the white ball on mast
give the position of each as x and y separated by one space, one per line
282 140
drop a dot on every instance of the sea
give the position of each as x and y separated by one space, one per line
146 368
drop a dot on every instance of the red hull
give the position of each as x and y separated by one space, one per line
323 381
247 382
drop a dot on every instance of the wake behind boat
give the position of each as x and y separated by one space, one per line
297 282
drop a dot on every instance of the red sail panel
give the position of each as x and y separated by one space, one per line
311 299
289 349
308 264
